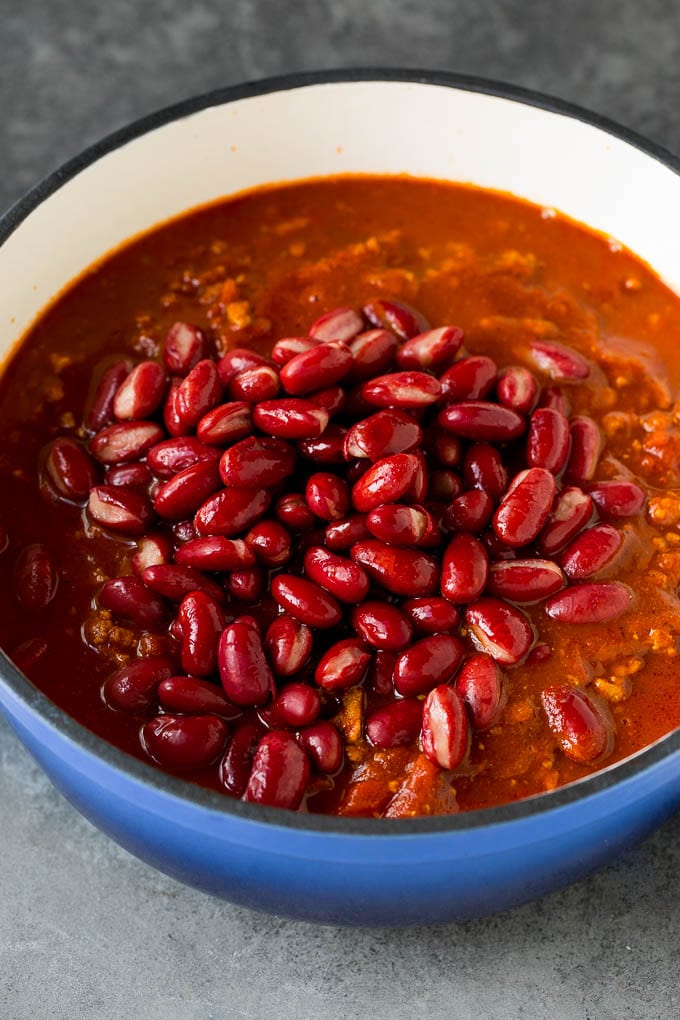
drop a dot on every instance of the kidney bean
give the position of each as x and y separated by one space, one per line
555 397
431 615
419 487
100 411
255 385
428 662
169 457
123 511
471 511
327 448
397 724
525 581
397 316
174 423
215 553
230 511
402 571
70 469
382 625
26 655
590 603
500 630
306 601
465 568
471 378
289 645
270 543
332 399
183 531
247 585
185 742
133 688
257 462
386 481
548 440
517 389
538 654
237 360
198 393
186 491
226 423
244 670
446 449
432 349
290 418
343 665
381 672
130 599
174 582
479 420
444 485
373 352
125 441
292 510
35 577
559 362
184 346
581 729
327 496
190 696
338 324
573 510
280 772
323 744
381 435
446 732
323 365
483 468
151 550
344 579
402 390
617 498
129 476
525 507
342 535
398 524
296 705
237 762
480 684
201 620
285 349
591 551
141 392
586 447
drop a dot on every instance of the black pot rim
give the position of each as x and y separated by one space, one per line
197 796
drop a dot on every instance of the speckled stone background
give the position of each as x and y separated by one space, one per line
87 931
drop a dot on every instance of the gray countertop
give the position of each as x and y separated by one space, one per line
86 930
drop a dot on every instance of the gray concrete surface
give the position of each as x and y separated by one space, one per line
85 929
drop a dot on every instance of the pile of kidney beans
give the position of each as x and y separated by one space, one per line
376 496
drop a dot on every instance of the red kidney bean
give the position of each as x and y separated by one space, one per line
517 389
382 625
198 393
169 457
446 449
230 511
327 448
525 581
285 349
381 435
152 550
237 360
174 423
26 655
70 469
431 615
331 399
296 705
500 630
427 663
130 599
471 378
255 384
381 672
226 423
237 762
398 524
247 585
338 324
141 393
373 352
257 462
174 582
189 696
184 346
289 645
573 510
591 551
244 670
471 511
100 411
344 579
215 553
401 389
185 742
386 481
270 543
443 485
125 442
280 772
342 535
35 577
538 654
129 476
292 510
133 688
586 447
123 511
323 744
465 568
548 440
201 620
483 468
182 494
343 665
525 507
397 724
555 397
323 365
617 498
430 350
559 362
479 420
419 487
581 729
480 684
402 571
290 418
306 601
397 316
327 496
446 732
590 603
